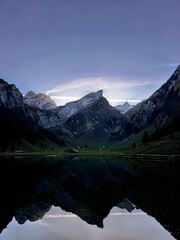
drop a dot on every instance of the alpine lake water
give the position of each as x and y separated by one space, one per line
92 198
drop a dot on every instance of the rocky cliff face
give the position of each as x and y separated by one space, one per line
39 100
10 97
161 108
18 120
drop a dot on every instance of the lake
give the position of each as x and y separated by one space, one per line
92 198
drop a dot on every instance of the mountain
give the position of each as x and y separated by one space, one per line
161 109
34 117
98 122
39 100
123 108
90 120
17 120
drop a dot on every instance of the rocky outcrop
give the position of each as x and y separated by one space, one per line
39 100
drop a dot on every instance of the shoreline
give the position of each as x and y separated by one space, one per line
148 157
158 157
58 154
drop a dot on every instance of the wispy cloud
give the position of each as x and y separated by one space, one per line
115 89
64 98
96 84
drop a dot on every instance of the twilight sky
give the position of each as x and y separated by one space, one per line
68 48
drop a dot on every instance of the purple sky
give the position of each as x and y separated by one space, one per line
68 48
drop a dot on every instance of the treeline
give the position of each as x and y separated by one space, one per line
161 132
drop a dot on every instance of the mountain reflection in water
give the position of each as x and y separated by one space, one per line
90 188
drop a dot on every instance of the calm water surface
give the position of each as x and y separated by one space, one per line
88 198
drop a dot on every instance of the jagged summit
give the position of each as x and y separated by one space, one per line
40 100
73 107
94 95
91 97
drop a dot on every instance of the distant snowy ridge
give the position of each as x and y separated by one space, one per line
123 108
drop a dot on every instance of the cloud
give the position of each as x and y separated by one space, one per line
61 216
64 98
111 214
114 89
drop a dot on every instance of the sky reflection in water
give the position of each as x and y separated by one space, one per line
60 225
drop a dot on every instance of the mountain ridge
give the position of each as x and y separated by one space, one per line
154 109
90 119
52 123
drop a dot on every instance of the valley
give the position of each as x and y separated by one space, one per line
33 123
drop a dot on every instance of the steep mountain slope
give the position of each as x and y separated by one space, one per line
89 119
160 109
39 100
17 120
99 122
71 108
